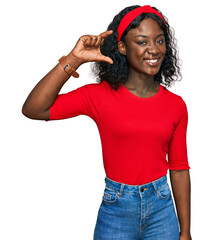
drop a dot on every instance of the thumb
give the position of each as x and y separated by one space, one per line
102 58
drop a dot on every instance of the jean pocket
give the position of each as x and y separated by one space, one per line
164 191
110 195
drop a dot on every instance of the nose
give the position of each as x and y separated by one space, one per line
153 49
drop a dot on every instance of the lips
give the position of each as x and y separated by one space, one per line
152 61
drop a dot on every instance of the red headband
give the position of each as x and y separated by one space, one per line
130 16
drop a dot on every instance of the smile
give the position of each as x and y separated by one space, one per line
152 62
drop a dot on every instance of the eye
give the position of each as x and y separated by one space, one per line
141 43
161 41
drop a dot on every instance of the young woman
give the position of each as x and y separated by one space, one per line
139 120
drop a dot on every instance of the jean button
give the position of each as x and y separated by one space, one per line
142 189
119 194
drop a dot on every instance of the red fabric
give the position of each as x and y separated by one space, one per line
130 16
141 137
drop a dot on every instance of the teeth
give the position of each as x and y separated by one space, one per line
152 61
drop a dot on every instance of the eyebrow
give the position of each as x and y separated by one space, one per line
159 35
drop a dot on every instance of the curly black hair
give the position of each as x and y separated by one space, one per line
117 73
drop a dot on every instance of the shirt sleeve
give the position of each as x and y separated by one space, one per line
177 152
71 104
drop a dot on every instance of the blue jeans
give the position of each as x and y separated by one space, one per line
136 212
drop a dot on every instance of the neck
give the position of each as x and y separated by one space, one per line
140 82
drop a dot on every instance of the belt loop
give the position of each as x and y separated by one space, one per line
155 186
121 188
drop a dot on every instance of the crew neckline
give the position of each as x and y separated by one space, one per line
141 98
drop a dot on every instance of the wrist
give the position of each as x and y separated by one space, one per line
185 230
71 71
75 62
185 233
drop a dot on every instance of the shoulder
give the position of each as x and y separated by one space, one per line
175 102
95 86
98 88
173 97
93 91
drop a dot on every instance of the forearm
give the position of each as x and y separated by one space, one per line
45 92
181 188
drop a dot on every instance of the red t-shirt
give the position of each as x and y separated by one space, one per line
141 138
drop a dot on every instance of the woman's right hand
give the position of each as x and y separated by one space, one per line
87 49
44 94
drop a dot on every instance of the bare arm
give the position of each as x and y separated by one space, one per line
181 187
44 94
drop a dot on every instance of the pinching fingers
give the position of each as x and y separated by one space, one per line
106 33
93 41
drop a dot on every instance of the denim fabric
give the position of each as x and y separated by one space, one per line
136 212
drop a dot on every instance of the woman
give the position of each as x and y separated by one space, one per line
139 122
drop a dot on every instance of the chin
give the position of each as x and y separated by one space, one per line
152 73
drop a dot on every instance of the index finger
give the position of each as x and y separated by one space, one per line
106 33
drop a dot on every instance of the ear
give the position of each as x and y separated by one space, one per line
121 47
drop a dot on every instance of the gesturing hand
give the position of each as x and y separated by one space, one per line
87 48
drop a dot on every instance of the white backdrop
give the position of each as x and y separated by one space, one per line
51 174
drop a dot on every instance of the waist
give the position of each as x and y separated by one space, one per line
121 187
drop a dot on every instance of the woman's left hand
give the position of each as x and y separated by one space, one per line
185 237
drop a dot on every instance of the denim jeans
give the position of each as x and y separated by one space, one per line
136 212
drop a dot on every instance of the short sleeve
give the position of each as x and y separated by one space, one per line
71 104
177 152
